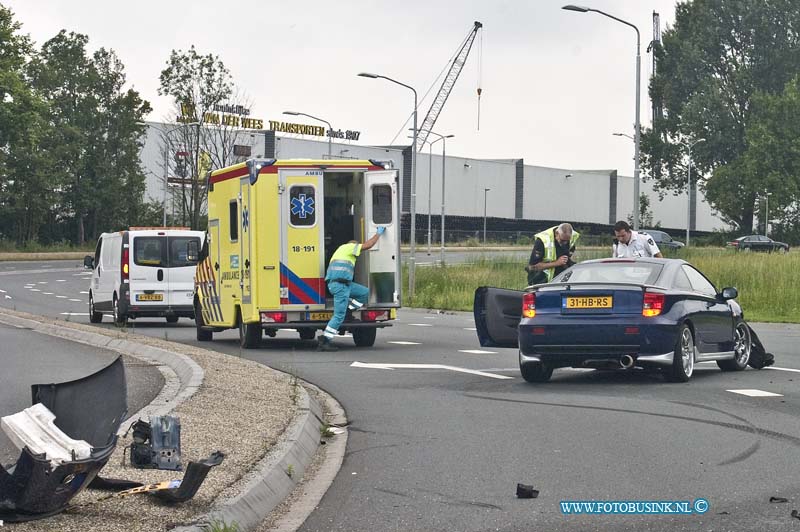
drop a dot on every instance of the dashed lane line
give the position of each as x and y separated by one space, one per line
783 369
755 393
477 352
399 342
77 300
421 324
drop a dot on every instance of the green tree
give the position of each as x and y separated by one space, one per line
196 83
25 191
718 57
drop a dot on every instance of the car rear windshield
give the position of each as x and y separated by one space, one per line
152 251
612 272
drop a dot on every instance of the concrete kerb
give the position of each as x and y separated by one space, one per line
269 482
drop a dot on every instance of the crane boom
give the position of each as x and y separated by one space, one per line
447 85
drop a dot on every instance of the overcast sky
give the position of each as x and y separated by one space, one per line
556 84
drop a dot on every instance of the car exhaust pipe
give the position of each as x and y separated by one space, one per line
626 361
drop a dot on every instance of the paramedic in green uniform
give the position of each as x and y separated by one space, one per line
346 293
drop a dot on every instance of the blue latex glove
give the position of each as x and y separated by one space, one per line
381 230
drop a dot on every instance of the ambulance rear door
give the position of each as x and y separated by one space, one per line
381 209
302 268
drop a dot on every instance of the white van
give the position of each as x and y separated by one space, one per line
143 272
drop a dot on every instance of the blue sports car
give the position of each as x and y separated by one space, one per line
617 313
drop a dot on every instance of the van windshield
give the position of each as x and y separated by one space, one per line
163 251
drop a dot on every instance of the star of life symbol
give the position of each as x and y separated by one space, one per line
302 206
245 219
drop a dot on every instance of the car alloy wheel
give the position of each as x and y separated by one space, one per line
687 351
742 344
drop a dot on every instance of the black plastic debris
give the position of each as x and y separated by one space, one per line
89 409
795 514
759 358
526 492
778 499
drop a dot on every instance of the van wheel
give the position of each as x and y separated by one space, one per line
365 337
307 333
249 334
203 335
94 316
119 318
172 319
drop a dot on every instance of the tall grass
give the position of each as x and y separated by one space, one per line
766 282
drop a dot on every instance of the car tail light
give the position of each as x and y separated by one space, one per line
125 265
374 315
734 243
273 317
653 304
538 331
529 305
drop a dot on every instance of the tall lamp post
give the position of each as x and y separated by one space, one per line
412 251
443 138
485 190
330 127
637 125
766 213
166 167
689 191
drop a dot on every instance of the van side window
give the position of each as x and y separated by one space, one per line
382 204
302 206
233 220
179 251
149 251
97 252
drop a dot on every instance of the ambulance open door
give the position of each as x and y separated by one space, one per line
381 209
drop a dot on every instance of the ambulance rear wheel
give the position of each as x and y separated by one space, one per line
365 337
307 333
249 334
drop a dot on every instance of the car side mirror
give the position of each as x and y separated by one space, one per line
192 251
88 262
729 293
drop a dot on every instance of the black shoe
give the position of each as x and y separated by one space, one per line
324 344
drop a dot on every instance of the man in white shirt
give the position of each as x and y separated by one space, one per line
632 244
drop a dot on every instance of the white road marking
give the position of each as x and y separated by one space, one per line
61 297
755 393
783 369
42 282
389 366
47 293
77 300
74 313
477 352
81 274
429 317
61 280
402 343
421 324
9 297
2 291
470 329
34 289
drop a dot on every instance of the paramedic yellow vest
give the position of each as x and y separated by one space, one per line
548 239
343 262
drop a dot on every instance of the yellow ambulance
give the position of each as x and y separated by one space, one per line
272 228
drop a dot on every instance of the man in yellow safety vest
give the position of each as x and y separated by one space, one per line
551 254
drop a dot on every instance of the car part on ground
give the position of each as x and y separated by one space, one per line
157 444
89 409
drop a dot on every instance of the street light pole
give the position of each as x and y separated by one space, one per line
689 192
443 138
166 168
330 127
413 248
637 125
485 190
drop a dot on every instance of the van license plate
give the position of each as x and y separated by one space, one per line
320 316
588 302
149 297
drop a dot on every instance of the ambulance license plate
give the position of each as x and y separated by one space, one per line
149 297
320 316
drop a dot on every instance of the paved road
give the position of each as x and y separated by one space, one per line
439 449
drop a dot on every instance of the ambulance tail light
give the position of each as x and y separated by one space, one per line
125 264
273 317
653 304
529 305
374 315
